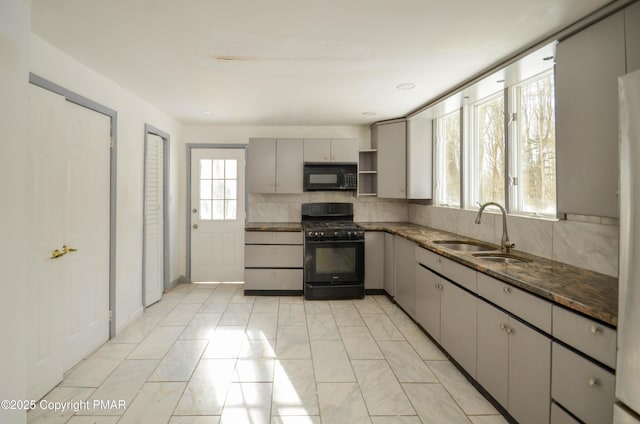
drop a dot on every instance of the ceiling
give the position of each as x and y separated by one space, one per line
295 62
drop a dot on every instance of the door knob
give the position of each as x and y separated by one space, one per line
194 210
195 226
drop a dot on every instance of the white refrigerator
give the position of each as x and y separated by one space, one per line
627 406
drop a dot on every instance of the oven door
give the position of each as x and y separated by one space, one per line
334 261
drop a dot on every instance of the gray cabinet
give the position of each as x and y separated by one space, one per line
458 325
448 313
273 261
374 260
389 265
391 142
404 258
274 165
428 301
514 364
331 150
420 158
588 65
632 36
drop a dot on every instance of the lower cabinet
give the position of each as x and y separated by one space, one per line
404 259
448 313
273 261
389 268
374 260
514 364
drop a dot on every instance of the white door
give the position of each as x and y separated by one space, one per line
68 209
154 220
44 235
217 214
87 205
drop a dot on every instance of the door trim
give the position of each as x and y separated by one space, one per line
166 138
97 107
190 147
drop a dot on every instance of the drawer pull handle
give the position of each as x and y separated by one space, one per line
593 382
509 330
273 251
595 330
503 327
507 289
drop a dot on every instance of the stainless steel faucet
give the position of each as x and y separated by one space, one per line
505 244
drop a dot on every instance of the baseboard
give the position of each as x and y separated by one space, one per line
181 279
375 292
129 320
273 292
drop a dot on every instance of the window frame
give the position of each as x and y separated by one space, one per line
440 168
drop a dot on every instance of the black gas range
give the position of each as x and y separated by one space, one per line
334 252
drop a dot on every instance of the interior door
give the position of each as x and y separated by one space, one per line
68 208
86 224
217 214
45 214
153 220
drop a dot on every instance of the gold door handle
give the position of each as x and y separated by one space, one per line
57 253
66 249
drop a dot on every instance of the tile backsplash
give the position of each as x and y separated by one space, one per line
586 244
287 207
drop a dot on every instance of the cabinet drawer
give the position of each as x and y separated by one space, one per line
431 260
272 256
460 274
531 309
560 416
273 279
273 237
581 386
585 335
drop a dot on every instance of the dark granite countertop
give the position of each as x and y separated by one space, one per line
273 226
591 293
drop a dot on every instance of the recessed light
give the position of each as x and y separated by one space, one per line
406 86
465 97
500 81
369 113
206 112
547 58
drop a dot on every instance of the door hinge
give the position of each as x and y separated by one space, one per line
111 142
514 117
110 315
514 181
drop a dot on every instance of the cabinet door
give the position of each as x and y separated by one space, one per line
458 325
493 352
344 150
588 65
419 158
632 36
405 265
374 260
389 265
529 374
392 160
317 150
428 301
261 165
289 166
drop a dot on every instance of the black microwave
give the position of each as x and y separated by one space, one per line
330 176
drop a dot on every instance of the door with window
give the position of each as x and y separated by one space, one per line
217 214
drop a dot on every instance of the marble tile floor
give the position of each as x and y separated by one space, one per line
208 354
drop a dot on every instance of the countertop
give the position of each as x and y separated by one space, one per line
591 293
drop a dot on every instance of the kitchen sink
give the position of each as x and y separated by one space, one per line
501 258
464 245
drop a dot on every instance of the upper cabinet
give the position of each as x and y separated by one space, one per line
632 36
588 65
404 152
274 165
331 150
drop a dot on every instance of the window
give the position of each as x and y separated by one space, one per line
534 189
487 161
218 189
448 152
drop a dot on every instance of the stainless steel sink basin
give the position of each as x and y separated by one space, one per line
465 245
501 258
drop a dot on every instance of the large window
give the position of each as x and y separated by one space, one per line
488 151
218 189
448 153
535 145
507 146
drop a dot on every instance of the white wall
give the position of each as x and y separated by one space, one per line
586 243
15 23
133 112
